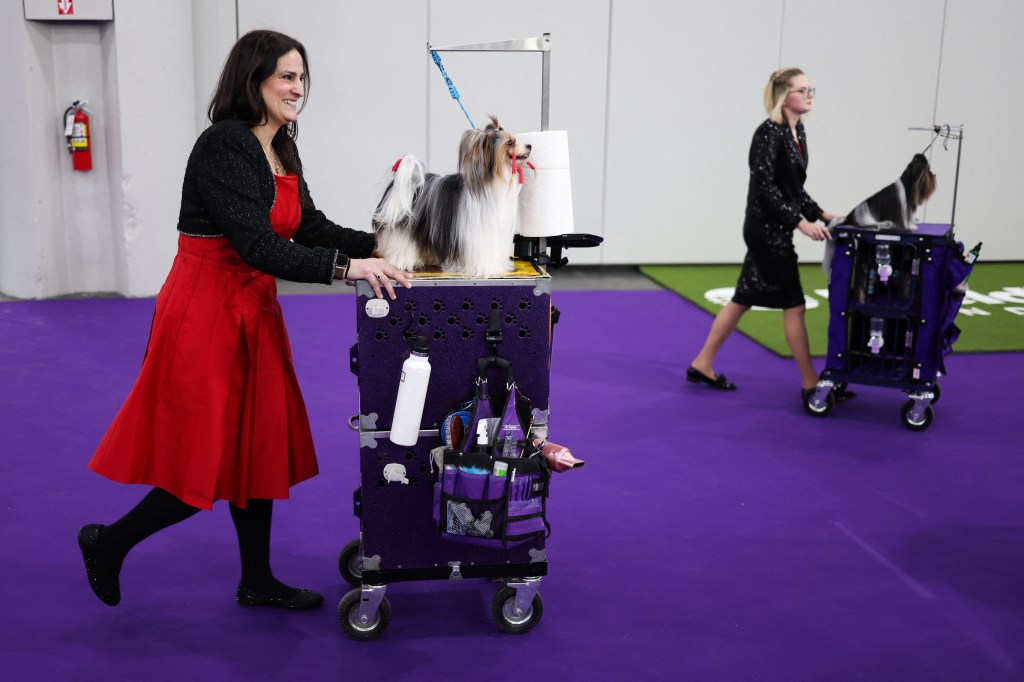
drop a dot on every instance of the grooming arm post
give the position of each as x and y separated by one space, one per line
949 132
956 178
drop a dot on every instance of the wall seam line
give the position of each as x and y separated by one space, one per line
607 127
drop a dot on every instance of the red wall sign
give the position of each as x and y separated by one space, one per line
65 6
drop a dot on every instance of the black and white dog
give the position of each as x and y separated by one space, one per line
893 207
464 222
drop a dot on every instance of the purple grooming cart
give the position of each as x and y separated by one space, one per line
396 502
893 296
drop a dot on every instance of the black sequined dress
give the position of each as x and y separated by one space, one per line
776 200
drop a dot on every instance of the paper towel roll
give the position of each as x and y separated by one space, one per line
550 148
545 202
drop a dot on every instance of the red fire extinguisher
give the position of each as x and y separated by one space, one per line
76 130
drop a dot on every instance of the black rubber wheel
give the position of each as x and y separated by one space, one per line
348 617
926 418
938 393
823 411
503 612
350 563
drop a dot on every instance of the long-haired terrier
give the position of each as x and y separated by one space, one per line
894 206
464 222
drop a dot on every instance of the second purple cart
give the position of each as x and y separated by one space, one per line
893 296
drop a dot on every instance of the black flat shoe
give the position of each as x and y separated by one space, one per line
109 591
842 395
305 599
695 376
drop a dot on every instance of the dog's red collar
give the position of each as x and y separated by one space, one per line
518 170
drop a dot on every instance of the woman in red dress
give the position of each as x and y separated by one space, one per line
216 413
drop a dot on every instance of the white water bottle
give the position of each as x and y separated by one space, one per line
412 394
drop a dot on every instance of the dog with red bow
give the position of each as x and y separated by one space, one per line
893 207
464 222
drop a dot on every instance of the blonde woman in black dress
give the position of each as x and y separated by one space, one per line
777 205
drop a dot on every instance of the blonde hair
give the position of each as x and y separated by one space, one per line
776 90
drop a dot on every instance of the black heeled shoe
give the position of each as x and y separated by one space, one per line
305 599
695 376
109 591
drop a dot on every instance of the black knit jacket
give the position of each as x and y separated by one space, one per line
229 191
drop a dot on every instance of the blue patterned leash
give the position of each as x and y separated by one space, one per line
451 86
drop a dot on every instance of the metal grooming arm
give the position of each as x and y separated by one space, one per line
540 44
533 248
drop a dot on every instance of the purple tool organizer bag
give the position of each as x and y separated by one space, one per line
954 279
475 505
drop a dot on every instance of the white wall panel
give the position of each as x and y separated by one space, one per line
875 65
29 215
981 88
153 90
213 34
685 98
84 246
55 235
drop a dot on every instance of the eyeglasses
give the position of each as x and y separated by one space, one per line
806 93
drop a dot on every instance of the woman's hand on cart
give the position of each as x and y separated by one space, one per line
814 230
379 273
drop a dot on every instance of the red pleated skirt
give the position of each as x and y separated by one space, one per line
216 412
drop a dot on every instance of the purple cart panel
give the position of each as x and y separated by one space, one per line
398 520
454 314
888 299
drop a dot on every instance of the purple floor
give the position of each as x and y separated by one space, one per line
712 536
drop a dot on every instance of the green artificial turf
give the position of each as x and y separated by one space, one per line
991 319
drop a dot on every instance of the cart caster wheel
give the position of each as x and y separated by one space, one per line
348 617
350 563
822 410
937 393
916 424
503 607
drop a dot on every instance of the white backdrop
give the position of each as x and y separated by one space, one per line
659 99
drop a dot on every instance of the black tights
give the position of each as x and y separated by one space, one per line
159 509
252 525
